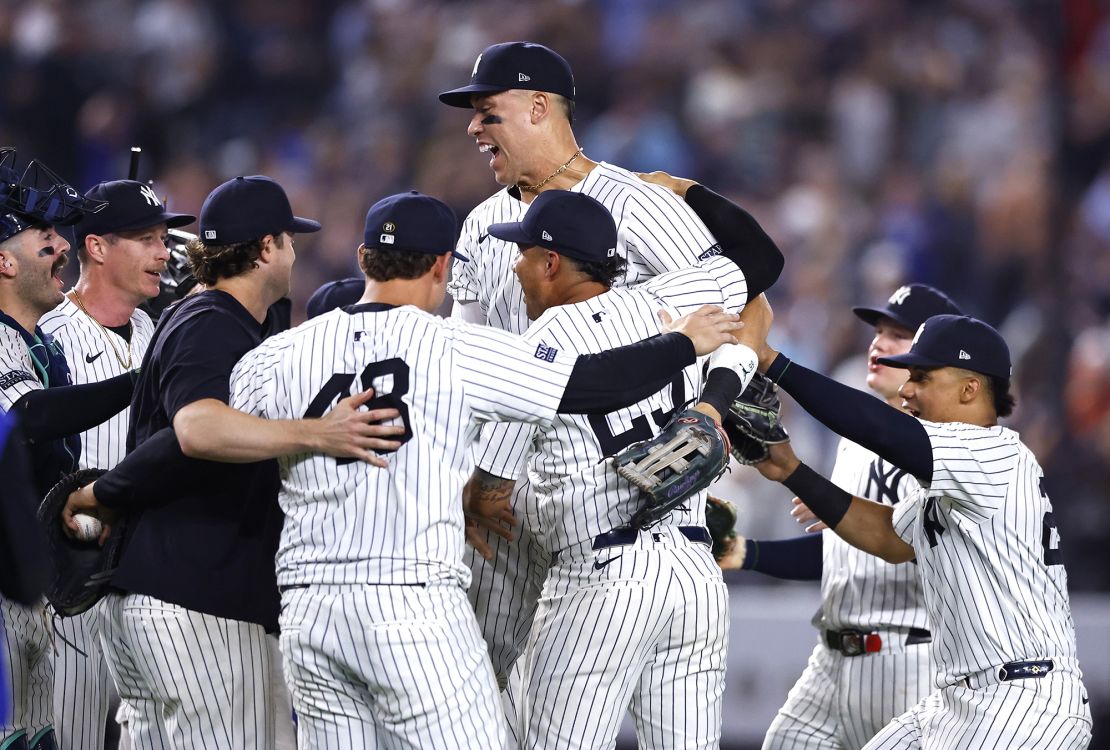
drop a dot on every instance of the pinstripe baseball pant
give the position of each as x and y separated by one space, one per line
28 667
202 677
389 666
840 702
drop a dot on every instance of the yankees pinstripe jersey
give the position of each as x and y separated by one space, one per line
348 522
986 542
577 496
94 355
860 590
656 232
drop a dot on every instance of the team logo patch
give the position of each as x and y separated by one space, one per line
899 295
9 379
149 195
715 250
546 353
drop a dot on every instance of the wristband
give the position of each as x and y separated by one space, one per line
740 358
827 501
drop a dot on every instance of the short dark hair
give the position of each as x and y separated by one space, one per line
567 106
211 263
382 264
1000 392
602 271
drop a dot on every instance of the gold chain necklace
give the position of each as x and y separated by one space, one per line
536 188
130 332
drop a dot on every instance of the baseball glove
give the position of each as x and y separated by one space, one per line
82 570
684 458
720 519
752 422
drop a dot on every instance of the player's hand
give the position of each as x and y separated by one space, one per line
487 506
347 432
757 317
803 515
781 462
708 327
677 185
735 551
84 501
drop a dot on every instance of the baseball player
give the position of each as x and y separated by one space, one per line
184 637
122 251
381 645
871 662
646 612
981 529
523 96
35 384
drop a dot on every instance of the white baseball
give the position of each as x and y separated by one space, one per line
88 527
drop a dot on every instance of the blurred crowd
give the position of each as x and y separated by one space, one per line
961 143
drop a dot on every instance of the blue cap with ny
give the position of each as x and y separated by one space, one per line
567 222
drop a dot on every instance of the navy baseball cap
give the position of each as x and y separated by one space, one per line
335 294
249 208
414 222
956 341
570 223
910 306
514 65
131 205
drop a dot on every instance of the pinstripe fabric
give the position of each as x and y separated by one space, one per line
983 521
1036 714
354 524
840 702
27 663
647 632
82 688
28 667
389 667
201 675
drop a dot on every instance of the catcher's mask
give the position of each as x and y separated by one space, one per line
37 198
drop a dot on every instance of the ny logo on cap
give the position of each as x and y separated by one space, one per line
899 295
477 62
545 235
151 198
916 336
520 77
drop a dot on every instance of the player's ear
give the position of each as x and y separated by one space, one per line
554 262
96 247
970 388
7 265
439 268
541 106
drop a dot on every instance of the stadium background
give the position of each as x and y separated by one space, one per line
961 143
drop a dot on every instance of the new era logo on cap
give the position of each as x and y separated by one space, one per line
546 236
964 355
520 77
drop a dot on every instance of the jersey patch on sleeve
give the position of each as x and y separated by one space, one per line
9 379
715 250
546 353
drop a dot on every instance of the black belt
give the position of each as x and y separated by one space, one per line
858 642
1023 670
295 586
626 535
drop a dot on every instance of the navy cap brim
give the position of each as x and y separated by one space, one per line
460 97
304 226
872 315
172 221
908 360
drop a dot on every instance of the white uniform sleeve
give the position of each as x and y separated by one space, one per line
464 285
970 468
508 379
715 281
661 233
905 514
504 448
17 374
254 387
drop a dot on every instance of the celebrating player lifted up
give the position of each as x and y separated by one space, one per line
381 646
981 529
